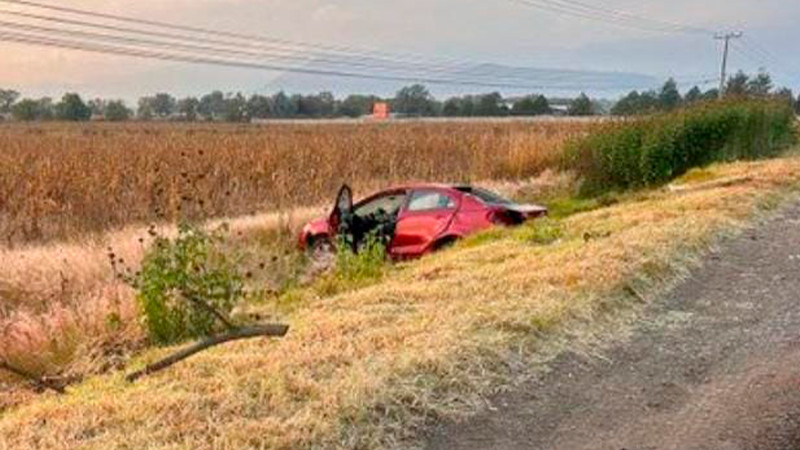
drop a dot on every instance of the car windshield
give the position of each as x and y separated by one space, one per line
485 195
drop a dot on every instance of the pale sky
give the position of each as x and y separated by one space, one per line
492 31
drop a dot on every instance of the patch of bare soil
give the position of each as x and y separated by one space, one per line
715 365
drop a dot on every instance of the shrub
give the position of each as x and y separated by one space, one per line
178 274
366 264
540 232
656 149
355 269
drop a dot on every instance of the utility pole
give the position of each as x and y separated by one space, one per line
727 38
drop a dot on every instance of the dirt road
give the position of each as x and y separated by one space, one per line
716 365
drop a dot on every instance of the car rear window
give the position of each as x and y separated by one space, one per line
485 195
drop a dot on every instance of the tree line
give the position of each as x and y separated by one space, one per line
414 101
669 97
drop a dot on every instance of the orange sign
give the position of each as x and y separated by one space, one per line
380 110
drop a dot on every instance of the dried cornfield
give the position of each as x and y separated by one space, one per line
59 181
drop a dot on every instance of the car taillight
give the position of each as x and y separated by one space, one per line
500 217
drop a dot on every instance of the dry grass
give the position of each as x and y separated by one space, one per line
365 368
61 181
62 310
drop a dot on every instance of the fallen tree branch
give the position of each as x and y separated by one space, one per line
40 382
221 317
233 335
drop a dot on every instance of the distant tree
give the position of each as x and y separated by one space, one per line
187 108
145 109
541 105
72 108
711 94
797 104
29 109
97 105
452 107
116 111
357 105
414 100
693 96
26 110
465 106
531 105
308 106
627 105
785 95
212 106
163 105
327 104
7 99
236 108
491 105
283 106
760 85
581 106
669 98
46 108
259 107
737 85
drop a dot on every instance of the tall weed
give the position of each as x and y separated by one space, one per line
656 149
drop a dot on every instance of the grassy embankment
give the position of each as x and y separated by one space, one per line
368 366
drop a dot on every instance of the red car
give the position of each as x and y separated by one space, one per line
414 220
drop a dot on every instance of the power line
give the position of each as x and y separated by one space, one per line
228 47
610 16
297 45
366 60
638 18
196 44
519 75
751 49
765 55
203 59
146 43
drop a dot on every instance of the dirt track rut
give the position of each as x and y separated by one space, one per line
715 365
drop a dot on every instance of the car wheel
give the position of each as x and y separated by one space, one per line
321 249
445 243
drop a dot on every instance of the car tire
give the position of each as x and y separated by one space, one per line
321 248
445 243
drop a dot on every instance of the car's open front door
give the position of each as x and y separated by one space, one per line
341 219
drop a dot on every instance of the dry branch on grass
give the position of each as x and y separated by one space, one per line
39 383
232 335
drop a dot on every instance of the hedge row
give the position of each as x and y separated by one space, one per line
653 150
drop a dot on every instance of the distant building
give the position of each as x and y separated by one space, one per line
380 111
559 110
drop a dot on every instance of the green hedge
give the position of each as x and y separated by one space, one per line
653 150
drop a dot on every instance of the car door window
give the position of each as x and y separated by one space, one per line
389 204
430 200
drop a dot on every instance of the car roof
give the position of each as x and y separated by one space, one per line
424 186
